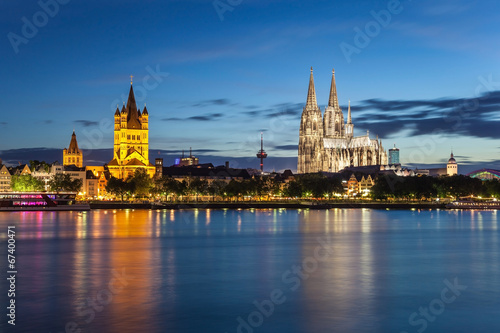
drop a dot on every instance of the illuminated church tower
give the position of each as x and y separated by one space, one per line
73 155
131 140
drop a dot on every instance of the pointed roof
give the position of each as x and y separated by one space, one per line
349 120
333 101
131 108
117 112
311 93
73 145
452 159
145 111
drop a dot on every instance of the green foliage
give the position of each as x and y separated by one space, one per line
25 183
169 186
423 188
118 187
140 183
63 182
36 165
197 186
313 185
217 188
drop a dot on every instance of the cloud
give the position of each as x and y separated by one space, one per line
285 109
206 117
476 117
86 123
218 102
48 122
287 147
3 123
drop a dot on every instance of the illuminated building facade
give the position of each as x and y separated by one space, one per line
327 142
73 155
131 140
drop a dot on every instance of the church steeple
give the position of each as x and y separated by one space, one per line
349 120
131 108
73 155
349 127
73 145
311 94
333 101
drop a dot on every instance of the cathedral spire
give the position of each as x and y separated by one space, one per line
133 115
333 101
349 120
311 94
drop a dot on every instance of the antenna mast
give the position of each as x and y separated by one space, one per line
261 154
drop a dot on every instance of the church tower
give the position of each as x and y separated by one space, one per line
334 118
131 140
452 166
73 155
349 127
310 134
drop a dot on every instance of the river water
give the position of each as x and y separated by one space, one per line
276 270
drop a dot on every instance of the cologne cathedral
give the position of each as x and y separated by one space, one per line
327 143
131 141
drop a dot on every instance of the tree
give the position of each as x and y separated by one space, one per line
294 189
167 186
25 183
63 182
118 187
141 183
37 165
198 186
217 188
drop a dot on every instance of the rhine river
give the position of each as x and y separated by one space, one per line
276 270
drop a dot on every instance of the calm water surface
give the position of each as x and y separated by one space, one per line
340 270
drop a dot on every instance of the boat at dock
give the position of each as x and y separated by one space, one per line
41 201
471 204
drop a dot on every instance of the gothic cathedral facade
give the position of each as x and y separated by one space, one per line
327 142
131 140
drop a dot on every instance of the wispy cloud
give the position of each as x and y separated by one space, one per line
476 117
206 117
86 123
287 147
217 102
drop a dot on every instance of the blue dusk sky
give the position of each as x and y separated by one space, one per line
424 75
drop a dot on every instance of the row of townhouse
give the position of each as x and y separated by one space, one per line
94 178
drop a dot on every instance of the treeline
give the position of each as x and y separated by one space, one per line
58 183
141 186
425 188
257 188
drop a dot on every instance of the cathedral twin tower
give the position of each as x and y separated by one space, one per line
327 143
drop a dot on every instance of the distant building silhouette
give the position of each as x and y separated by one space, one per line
394 155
